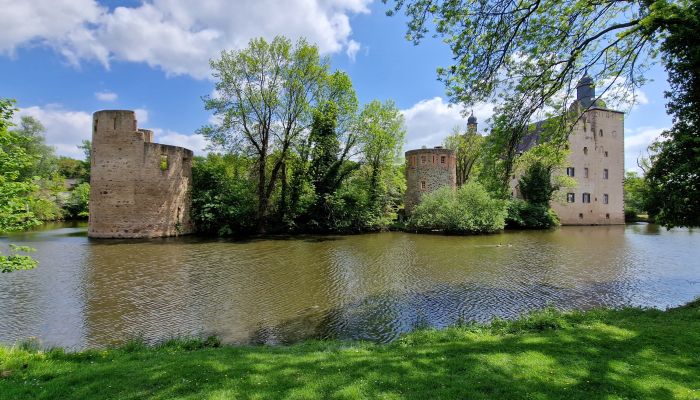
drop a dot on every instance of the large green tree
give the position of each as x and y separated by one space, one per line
381 131
673 181
263 105
15 191
44 163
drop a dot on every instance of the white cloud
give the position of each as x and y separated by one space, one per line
353 48
106 96
428 122
195 142
141 115
636 143
177 36
65 129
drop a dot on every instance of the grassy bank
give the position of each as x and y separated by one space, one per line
599 354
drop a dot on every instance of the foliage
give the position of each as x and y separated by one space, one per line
15 192
635 194
468 148
381 136
603 353
71 168
223 201
526 215
34 144
470 209
673 180
264 96
77 205
528 52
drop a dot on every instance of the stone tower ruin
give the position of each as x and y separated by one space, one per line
426 171
138 189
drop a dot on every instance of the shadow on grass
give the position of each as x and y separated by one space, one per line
599 354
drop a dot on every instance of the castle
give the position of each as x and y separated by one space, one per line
595 161
138 189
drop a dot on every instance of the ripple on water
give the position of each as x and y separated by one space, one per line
89 293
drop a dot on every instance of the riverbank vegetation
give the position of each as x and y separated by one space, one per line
629 353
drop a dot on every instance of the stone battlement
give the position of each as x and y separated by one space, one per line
137 188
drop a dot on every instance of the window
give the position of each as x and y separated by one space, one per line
423 160
605 173
606 154
442 159
422 185
585 150
586 198
433 159
580 216
607 216
570 171
605 198
601 133
570 197
585 172
413 161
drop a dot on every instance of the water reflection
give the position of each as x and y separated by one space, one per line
89 293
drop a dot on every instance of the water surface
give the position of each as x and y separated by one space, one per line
92 293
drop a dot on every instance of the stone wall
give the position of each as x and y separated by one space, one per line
138 189
596 145
426 171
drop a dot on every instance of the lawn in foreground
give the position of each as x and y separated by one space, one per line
611 354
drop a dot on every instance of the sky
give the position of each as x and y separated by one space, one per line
62 60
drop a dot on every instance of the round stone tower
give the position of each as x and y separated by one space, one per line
137 188
426 171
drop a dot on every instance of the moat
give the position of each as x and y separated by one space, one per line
91 293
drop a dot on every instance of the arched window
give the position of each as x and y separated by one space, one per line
585 150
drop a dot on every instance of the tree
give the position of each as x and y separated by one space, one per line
468 148
673 181
381 132
264 93
43 155
635 193
329 145
15 191
536 48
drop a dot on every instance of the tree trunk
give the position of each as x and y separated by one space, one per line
262 194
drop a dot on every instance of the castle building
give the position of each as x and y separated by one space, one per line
595 161
138 189
426 171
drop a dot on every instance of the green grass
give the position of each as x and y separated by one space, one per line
601 354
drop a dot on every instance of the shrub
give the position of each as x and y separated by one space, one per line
77 204
222 200
525 215
470 209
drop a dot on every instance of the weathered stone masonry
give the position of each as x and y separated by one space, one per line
426 171
138 189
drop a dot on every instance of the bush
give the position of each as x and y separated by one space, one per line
77 204
470 209
525 215
222 201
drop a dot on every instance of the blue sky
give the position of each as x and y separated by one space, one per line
64 59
